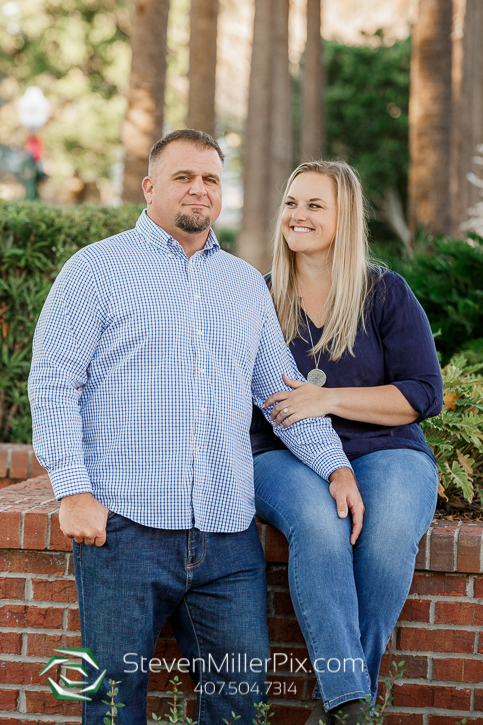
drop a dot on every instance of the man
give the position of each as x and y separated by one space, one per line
146 356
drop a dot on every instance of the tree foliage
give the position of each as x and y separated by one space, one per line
77 52
367 98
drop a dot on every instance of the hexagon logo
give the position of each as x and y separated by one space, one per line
61 693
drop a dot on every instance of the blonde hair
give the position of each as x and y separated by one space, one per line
352 272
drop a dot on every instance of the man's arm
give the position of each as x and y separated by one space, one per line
312 440
65 340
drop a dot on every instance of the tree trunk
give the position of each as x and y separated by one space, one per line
202 68
254 238
143 124
468 105
430 116
268 132
312 115
280 109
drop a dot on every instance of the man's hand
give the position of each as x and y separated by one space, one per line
83 518
344 490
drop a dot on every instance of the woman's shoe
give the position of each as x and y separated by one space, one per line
353 712
319 715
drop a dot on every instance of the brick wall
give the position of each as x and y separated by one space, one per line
438 634
17 462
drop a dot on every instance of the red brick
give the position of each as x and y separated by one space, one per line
288 658
34 530
21 673
288 687
73 620
442 545
435 640
40 701
284 630
167 630
8 700
160 706
58 541
10 643
282 603
422 551
453 720
415 610
19 463
294 715
10 530
3 462
438 584
43 645
168 649
14 721
469 546
32 562
12 588
396 718
469 613
416 667
21 615
478 702
277 575
57 590
276 546
37 469
458 670
160 680
416 695
479 586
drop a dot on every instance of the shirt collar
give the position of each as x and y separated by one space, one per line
164 241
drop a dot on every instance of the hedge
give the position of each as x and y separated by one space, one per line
35 241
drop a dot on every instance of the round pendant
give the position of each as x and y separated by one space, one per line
317 377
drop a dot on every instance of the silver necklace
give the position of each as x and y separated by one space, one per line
315 376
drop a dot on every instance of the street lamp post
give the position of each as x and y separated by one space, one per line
33 111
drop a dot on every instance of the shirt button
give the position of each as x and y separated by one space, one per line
202 371
197 448
199 332
197 297
171 255
202 409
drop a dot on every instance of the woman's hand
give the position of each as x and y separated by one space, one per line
345 492
304 401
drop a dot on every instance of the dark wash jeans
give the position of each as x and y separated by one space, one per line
211 586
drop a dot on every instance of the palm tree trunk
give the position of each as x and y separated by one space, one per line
202 68
312 115
254 238
143 124
468 105
281 108
430 118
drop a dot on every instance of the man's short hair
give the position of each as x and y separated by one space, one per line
198 138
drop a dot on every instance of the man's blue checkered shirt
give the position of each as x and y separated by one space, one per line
143 372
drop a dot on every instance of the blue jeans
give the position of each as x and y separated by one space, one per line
211 586
347 599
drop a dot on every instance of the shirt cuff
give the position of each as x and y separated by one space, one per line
329 461
69 481
418 397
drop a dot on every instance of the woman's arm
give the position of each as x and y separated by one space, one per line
383 405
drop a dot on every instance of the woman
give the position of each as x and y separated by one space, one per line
363 341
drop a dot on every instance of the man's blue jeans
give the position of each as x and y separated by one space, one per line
213 589
347 599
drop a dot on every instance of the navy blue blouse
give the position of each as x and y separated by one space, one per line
397 348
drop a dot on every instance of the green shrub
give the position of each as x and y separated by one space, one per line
456 436
446 275
35 241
